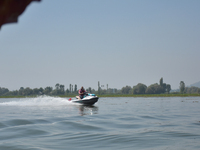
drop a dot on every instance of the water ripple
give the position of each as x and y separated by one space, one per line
115 123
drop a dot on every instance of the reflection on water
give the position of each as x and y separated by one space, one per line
87 110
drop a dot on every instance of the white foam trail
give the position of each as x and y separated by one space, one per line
39 101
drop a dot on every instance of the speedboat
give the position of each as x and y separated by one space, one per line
88 99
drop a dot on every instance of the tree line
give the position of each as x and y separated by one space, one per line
58 90
152 89
160 88
189 90
156 88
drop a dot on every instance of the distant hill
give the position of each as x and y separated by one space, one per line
197 84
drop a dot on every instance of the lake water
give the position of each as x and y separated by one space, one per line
50 123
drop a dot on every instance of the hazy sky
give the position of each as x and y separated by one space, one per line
116 42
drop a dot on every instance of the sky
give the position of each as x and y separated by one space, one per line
115 42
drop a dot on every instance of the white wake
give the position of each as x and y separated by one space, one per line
38 101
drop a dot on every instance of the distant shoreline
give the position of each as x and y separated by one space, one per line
139 95
154 95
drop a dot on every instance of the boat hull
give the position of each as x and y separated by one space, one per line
86 101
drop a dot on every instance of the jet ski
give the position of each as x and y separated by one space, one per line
88 99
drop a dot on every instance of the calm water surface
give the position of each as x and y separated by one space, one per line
50 123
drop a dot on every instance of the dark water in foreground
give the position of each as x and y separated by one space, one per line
48 123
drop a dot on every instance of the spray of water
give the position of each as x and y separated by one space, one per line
39 101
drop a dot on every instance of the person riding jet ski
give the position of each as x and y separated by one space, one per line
82 92
85 98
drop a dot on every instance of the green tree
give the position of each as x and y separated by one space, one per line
21 91
182 87
28 91
161 82
11 93
62 89
35 91
192 89
75 88
67 91
70 88
126 90
41 91
57 86
3 91
48 90
168 87
139 89
154 89
164 86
